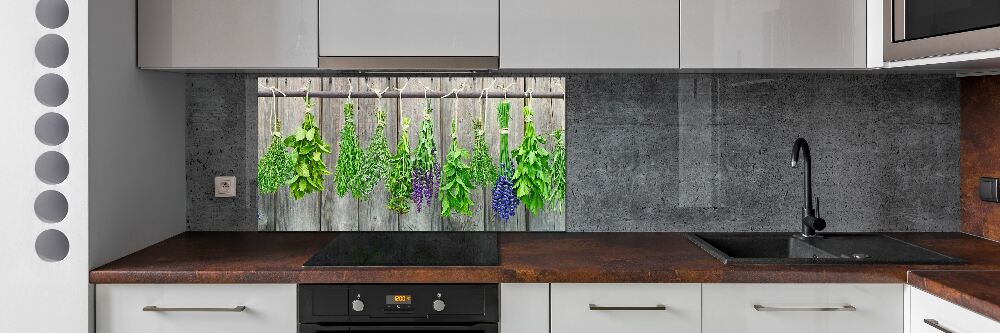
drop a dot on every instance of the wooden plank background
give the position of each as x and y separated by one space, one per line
327 212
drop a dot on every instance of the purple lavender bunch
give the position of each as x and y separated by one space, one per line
505 201
425 186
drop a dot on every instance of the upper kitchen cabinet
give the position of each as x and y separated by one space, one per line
409 34
781 34
573 34
221 34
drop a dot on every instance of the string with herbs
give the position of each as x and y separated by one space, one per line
505 200
531 177
456 182
484 172
399 183
308 149
349 157
426 169
274 168
375 160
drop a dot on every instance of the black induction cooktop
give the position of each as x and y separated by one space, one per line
433 248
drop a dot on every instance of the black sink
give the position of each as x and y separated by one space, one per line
788 248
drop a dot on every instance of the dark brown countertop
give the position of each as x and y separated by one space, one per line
277 257
978 291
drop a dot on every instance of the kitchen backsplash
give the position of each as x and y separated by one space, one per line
681 152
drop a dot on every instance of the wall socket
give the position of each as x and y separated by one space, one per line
225 187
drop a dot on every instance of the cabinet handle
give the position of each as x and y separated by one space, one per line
159 309
596 307
935 324
759 307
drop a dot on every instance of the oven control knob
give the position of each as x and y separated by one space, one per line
438 305
358 305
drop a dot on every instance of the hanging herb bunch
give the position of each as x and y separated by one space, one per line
308 149
426 170
375 161
349 158
531 178
484 172
275 168
505 201
399 183
457 178
557 174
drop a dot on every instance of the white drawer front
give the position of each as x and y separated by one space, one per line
571 311
730 308
270 308
948 316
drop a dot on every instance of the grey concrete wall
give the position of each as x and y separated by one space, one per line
689 152
218 122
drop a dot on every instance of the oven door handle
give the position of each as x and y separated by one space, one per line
484 328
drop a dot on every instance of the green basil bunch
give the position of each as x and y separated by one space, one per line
308 149
456 179
531 176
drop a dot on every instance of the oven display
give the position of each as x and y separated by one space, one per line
398 299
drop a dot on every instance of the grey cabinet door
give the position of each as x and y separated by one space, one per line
409 28
220 34
574 34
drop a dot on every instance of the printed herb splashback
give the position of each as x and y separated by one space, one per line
481 164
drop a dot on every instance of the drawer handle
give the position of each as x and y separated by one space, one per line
759 307
596 307
159 309
935 324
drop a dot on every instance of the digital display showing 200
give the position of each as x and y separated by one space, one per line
398 299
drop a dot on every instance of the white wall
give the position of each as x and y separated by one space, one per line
137 185
125 149
39 295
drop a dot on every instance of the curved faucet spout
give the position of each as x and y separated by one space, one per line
810 222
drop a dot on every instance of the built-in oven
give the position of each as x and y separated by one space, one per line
375 308
916 29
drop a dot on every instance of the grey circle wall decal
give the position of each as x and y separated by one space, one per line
51 206
51 90
52 13
52 167
52 245
51 129
51 51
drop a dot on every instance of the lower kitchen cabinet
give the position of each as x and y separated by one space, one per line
930 314
634 308
803 308
524 308
180 308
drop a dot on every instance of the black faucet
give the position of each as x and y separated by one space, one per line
810 221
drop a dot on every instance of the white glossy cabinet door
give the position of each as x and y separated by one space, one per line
946 315
182 34
524 308
633 308
792 308
270 308
774 34
409 28
574 34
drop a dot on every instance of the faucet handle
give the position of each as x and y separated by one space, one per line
817 206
